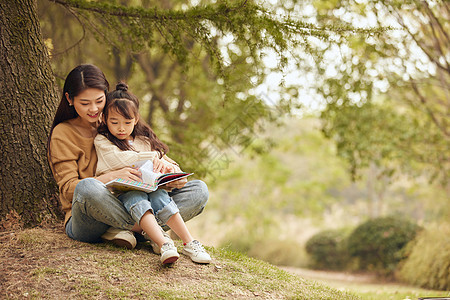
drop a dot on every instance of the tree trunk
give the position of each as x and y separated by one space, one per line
27 103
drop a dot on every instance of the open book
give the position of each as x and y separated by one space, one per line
151 181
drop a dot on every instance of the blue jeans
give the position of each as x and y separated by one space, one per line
137 203
95 208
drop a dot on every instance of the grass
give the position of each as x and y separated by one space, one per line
369 289
388 291
44 264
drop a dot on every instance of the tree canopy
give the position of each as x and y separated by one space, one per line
388 98
194 66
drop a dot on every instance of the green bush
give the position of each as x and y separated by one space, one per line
327 250
272 249
280 252
428 262
377 243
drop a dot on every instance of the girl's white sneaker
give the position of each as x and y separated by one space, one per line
169 253
196 252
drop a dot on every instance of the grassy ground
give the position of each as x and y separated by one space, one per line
366 286
43 263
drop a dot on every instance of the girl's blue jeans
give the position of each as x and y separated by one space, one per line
159 202
95 208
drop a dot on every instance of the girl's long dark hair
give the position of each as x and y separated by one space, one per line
79 79
127 104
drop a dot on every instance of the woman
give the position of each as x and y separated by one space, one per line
92 212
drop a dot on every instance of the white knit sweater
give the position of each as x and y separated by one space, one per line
110 157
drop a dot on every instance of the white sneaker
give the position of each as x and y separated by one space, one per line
154 245
169 253
120 237
196 252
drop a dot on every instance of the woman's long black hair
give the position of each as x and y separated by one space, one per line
127 104
82 77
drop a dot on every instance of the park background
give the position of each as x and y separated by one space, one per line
305 118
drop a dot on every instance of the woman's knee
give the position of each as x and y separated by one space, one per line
94 192
202 192
89 186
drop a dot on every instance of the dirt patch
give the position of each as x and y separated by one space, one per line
336 276
44 263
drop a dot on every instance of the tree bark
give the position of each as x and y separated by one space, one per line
27 101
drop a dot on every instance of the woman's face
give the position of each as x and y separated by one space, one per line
89 104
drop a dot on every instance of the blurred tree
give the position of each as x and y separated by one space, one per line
388 100
197 79
185 33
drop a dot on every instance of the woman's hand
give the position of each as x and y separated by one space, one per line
178 184
127 173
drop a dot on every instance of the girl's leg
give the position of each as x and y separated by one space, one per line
190 199
167 212
192 248
94 210
140 209
150 226
178 226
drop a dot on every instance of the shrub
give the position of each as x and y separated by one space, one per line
280 252
428 263
271 249
327 250
377 243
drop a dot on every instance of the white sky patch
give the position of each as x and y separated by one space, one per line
270 90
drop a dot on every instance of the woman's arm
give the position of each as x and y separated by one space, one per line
173 167
126 173
63 159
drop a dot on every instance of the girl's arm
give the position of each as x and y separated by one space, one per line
110 157
171 165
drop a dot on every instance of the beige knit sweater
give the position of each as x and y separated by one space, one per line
110 157
72 159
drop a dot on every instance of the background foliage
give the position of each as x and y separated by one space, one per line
376 142
328 250
378 243
428 262
391 87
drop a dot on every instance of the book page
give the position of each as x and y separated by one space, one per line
148 176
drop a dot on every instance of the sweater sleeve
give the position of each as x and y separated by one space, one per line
170 161
64 160
110 157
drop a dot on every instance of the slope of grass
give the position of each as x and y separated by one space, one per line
368 286
43 263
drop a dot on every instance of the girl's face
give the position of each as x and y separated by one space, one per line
89 104
119 126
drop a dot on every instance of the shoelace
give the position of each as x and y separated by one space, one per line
197 246
166 246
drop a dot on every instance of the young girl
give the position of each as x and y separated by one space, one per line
124 139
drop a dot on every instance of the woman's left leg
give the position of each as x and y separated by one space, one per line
94 210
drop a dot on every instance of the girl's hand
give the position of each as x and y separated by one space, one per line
158 165
169 168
